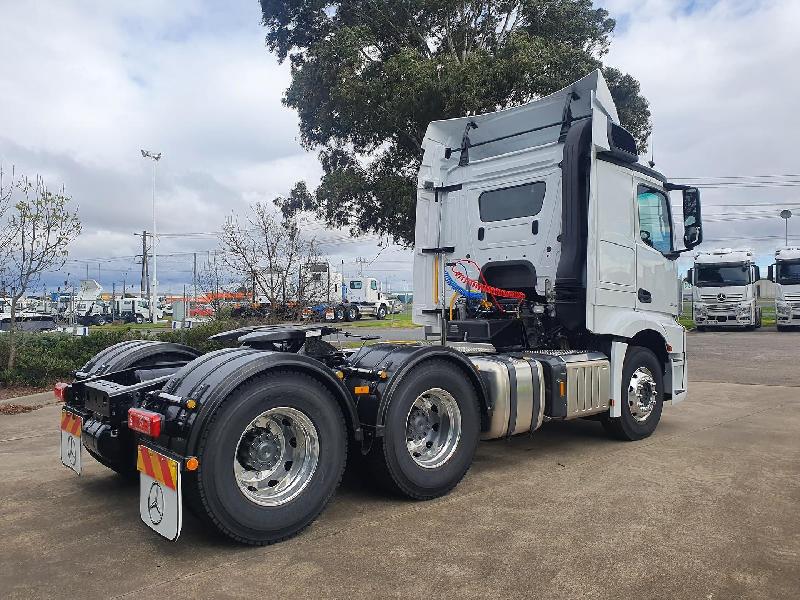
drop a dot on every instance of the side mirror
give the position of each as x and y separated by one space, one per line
758 273
692 218
771 273
689 277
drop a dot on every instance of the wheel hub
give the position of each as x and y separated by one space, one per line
433 428
276 456
642 394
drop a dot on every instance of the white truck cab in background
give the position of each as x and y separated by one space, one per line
785 274
136 310
367 297
724 289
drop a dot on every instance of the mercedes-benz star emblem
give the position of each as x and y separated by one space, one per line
72 451
155 503
721 297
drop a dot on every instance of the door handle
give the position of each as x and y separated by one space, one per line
645 297
535 227
480 234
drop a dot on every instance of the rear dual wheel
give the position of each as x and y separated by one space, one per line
430 434
271 458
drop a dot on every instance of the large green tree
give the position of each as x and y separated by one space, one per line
369 75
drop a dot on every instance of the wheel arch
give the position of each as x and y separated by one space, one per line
426 354
220 373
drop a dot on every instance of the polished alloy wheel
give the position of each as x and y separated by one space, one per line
642 394
276 456
433 428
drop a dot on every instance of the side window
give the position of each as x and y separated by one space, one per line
373 285
512 203
355 285
655 225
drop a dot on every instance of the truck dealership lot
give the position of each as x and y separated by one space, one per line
705 508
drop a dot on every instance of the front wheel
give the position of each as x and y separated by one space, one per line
338 314
381 314
430 433
271 458
139 319
642 396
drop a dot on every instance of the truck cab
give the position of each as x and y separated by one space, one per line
785 274
549 201
136 310
724 289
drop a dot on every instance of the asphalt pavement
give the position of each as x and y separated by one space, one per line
708 507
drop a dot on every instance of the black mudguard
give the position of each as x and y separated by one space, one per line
133 353
211 378
398 361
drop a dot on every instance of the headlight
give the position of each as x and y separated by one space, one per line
700 309
744 309
784 308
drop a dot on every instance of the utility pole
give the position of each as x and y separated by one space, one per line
194 279
155 156
87 270
145 278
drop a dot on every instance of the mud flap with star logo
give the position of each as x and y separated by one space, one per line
160 505
71 426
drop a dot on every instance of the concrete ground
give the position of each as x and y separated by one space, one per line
708 507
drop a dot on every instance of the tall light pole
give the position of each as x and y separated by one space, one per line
786 215
155 156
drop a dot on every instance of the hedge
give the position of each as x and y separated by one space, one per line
44 358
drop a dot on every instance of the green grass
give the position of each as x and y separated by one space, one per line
132 327
401 321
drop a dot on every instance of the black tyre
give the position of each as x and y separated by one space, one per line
139 319
642 396
430 435
700 329
339 314
381 314
782 327
270 459
351 313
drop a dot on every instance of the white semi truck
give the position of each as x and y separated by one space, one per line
785 274
135 310
725 293
545 259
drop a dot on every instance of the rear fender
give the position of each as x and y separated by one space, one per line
399 361
211 378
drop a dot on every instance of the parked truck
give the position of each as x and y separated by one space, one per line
352 298
785 274
135 310
544 259
724 289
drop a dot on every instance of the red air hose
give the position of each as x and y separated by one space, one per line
486 288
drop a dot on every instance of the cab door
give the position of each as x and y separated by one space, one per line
656 275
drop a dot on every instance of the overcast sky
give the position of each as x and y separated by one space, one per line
84 85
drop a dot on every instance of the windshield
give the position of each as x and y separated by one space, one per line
789 272
721 275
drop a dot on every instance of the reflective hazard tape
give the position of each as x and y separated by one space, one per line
70 423
160 468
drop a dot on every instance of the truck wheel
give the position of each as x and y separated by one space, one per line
351 314
430 434
642 396
700 329
381 314
270 458
338 314
139 319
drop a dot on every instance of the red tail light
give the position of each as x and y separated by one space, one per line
145 421
60 391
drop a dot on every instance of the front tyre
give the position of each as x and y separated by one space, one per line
270 458
430 433
642 396
381 314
